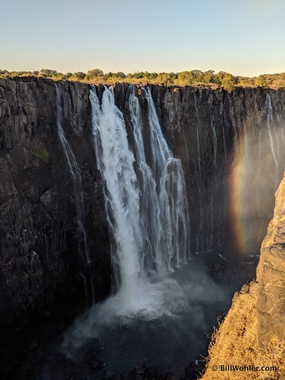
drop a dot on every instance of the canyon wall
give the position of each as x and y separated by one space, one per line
271 275
252 335
41 249
214 133
232 148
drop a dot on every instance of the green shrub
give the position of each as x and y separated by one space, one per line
41 153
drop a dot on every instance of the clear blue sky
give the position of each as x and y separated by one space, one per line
244 37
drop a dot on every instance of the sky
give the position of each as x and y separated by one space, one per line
243 37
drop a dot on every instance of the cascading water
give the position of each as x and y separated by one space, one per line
157 300
199 178
214 182
116 163
272 145
147 207
172 199
77 184
215 141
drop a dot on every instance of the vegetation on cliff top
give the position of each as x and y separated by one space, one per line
197 78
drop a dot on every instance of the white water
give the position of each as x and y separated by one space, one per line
197 137
174 225
215 140
269 120
146 207
225 143
200 230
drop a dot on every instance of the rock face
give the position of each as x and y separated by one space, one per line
271 275
40 250
42 254
225 140
253 332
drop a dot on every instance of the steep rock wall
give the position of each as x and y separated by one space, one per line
40 251
253 332
226 141
271 275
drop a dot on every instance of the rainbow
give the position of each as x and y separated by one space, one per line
236 187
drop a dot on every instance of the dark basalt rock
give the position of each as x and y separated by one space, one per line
42 261
40 250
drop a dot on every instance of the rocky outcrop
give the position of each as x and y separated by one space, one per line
271 275
234 352
253 332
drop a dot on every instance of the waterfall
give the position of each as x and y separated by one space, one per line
215 140
199 232
172 198
214 181
198 138
76 182
146 204
116 163
269 120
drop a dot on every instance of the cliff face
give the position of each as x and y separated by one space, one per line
271 275
41 249
225 141
253 332
42 252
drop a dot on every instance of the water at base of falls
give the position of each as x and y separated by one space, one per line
146 204
176 331
164 306
102 344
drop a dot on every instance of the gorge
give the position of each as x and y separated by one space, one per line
94 207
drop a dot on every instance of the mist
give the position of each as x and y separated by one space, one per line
255 175
169 326
164 304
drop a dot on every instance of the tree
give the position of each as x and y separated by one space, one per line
119 74
185 78
208 77
138 75
261 82
165 79
79 75
95 73
66 76
152 76
228 83
47 73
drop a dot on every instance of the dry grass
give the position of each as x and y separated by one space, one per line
235 343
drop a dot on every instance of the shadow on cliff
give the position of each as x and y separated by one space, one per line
175 329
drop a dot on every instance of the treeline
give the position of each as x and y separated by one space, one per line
200 78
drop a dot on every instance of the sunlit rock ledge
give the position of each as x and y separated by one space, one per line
253 331
271 274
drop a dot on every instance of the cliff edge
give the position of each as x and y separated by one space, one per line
250 342
271 275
